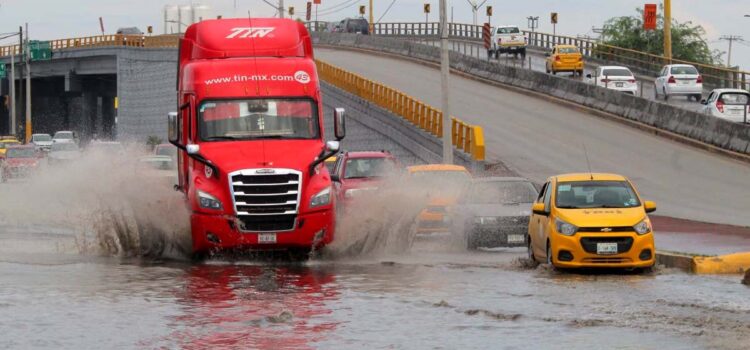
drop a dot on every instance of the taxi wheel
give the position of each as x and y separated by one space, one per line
549 254
530 253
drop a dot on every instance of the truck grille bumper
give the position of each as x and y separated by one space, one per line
266 200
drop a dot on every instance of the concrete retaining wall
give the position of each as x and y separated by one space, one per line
696 126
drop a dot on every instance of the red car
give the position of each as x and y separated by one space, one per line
358 172
19 161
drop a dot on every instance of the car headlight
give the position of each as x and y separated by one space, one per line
208 201
642 227
565 228
322 198
485 220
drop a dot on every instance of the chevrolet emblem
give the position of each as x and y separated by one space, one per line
606 229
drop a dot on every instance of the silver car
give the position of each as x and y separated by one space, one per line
494 212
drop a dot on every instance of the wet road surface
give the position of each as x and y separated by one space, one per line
436 297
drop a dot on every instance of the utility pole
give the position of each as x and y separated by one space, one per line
533 22
474 8
445 71
13 92
281 9
668 30
28 88
730 39
372 25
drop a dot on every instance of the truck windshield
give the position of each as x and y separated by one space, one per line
258 119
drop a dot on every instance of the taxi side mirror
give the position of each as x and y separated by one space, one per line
649 206
538 209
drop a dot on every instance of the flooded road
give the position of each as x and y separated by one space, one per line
433 298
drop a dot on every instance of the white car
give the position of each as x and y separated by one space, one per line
729 104
507 39
615 78
65 136
41 141
679 80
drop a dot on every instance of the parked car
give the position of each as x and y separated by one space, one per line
591 220
679 80
19 161
614 78
63 153
356 173
443 184
729 104
494 212
65 136
42 142
508 39
7 141
564 58
353 25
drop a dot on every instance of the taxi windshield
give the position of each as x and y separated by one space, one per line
258 119
595 194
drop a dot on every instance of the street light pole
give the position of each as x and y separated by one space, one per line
445 86
281 8
28 87
13 92
668 30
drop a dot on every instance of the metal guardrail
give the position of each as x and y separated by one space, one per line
644 62
116 40
466 137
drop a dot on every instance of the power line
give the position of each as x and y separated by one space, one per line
340 7
386 11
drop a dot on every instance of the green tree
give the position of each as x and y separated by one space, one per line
688 39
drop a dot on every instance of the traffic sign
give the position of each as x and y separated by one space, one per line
316 2
3 72
291 10
40 50
649 17
308 13
362 10
489 11
426 8
553 17
487 35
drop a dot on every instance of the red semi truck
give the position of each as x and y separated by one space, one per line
249 130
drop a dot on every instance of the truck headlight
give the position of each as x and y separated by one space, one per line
565 228
208 201
642 227
322 198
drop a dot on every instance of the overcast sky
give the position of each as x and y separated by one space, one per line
53 19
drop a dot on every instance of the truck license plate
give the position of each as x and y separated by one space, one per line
516 239
606 248
266 238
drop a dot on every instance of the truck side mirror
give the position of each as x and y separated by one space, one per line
339 123
173 127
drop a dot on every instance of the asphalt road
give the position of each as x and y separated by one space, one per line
537 61
538 139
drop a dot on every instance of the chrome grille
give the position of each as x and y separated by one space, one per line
266 199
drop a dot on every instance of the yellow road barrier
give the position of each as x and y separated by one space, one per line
724 264
466 137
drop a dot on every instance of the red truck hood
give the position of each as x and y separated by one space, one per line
15 162
237 155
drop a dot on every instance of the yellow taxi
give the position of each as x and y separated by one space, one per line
6 141
443 183
591 220
565 58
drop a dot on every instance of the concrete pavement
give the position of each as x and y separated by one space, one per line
537 139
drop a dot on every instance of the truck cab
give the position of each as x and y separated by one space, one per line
249 134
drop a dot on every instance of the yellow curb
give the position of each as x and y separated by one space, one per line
725 264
